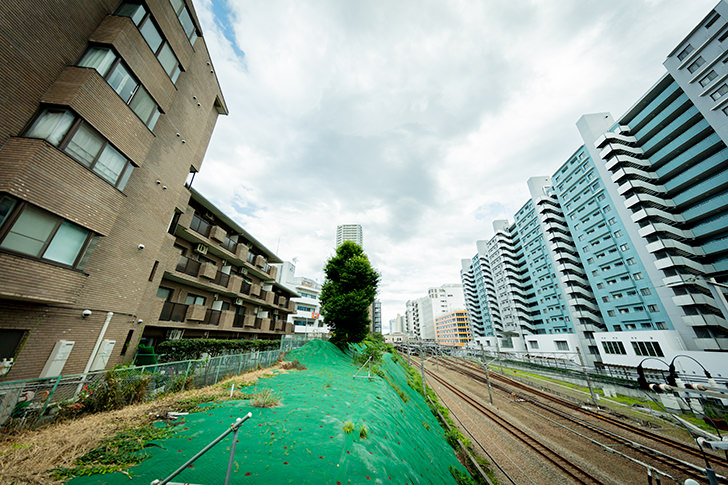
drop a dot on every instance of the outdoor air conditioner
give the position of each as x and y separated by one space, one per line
238 301
201 248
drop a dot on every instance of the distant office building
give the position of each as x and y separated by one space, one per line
397 324
452 328
349 232
376 324
421 313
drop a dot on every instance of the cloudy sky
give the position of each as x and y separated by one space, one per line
420 120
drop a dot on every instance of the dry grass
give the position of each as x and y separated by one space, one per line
26 457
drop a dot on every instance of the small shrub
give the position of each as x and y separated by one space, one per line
363 433
348 427
265 399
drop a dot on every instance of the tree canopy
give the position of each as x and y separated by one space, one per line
348 293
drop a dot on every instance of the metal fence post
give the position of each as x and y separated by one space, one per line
48 400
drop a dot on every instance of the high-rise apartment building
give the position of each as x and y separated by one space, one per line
626 245
107 110
376 317
349 232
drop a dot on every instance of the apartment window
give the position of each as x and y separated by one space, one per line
610 313
623 247
533 344
34 232
637 276
647 349
164 293
606 208
713 19
624 311
151 33
645 291
110 66
614 348
618 233
631 261
652 308
660 325
605 299
84 144
562 345
193 299
600 285
708 78
696 65
685 52
720 92
185 19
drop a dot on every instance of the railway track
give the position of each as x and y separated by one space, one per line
685 468
574 472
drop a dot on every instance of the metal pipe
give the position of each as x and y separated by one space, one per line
234 427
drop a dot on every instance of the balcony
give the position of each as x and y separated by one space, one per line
208 270
188 266
659 227
212 317
221 279
626 160
173 312
200 225
245 288
239 320
228 244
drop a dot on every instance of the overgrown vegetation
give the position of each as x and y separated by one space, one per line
117 453
195 348
347 294
265 399
348 427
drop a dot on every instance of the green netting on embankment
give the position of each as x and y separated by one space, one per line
303 440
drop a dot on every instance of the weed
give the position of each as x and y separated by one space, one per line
265 399
348 427
363 433
116 453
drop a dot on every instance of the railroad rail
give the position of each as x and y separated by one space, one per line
572 470
675 463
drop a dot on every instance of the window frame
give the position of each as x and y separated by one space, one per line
14 215
153 117
124 175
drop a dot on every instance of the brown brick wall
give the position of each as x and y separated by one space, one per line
90 96
36 171
123 35
37 41
29 279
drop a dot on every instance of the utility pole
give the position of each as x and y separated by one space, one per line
408 350
586 375
422 369
487 375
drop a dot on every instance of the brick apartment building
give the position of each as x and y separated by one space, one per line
219 283
106 108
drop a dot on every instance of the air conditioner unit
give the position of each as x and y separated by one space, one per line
201 248
238 301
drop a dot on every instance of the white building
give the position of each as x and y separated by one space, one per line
349 232
421 313
307 318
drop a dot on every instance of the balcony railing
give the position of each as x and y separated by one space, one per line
221 279
229 244
188 266
272 326
245 288
212 317
200 225
173 312
258 323
251 258
239 320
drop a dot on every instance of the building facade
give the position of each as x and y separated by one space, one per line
452 329
220 282
349 232
626 244
104 242
307 317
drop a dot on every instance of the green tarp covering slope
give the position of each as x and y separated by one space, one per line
304 439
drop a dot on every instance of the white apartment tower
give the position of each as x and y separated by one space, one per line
349 232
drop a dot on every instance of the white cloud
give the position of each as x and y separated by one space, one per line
419 120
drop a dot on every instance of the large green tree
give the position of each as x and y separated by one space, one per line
348 293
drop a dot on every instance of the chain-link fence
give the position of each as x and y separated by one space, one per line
29 403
